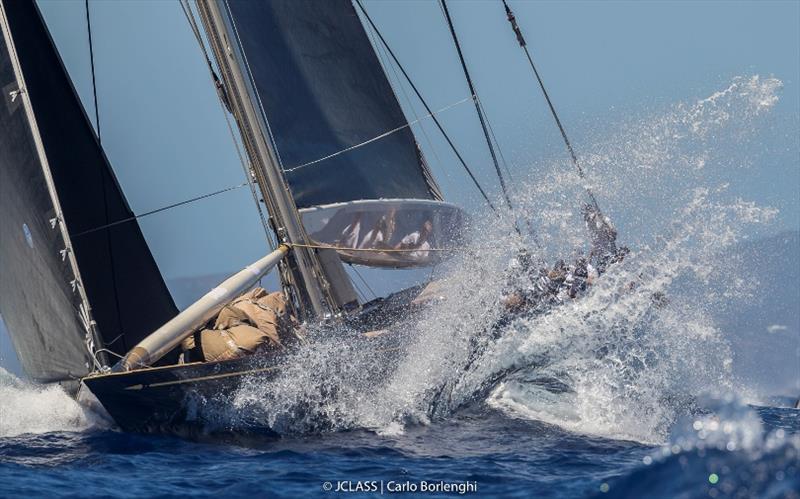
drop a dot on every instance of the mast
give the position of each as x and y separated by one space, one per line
307 275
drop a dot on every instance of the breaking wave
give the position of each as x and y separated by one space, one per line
728 452
626 361
28 408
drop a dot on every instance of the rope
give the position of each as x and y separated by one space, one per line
94 81
499 149
159 210
521 40
478 108
383 56
427 107
372 250
378 137
374 294
113 270
226 109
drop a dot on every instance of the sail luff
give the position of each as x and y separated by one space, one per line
118 275
94 341
257 137
324 91
331 131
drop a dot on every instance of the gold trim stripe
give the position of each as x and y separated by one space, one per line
201 378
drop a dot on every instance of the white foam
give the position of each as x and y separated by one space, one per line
611 364
28 408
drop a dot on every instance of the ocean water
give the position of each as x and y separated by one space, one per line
742 451
630 391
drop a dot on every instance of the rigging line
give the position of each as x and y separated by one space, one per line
386 63
91 62
222 96
433 186
159 210
363 280
187 12
472 91
396 83
427 107
378 137
360 292
521 40
264 115
375 250
109 241
499 149
312 260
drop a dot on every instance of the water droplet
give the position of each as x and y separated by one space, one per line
28 235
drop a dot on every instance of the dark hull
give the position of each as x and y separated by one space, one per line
193 400
176 399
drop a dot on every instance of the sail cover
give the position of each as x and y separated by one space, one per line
125 290
392 233
323 90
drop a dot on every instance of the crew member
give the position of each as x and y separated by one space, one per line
254 322
603 237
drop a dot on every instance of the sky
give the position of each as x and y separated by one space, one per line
166 135
167 139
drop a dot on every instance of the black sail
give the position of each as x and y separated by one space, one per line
323 90
125 290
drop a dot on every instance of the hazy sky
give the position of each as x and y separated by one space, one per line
603 62
167 139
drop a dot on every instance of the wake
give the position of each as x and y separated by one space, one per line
615 363
27 408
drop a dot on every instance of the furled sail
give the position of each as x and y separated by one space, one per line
325 96
58 196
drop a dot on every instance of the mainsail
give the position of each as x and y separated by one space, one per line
338 131
323 89
68 274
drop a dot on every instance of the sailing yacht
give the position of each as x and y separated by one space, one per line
329 154
84 301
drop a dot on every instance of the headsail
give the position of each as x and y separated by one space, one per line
51 162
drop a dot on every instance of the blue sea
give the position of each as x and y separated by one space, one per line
479 451
657 382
